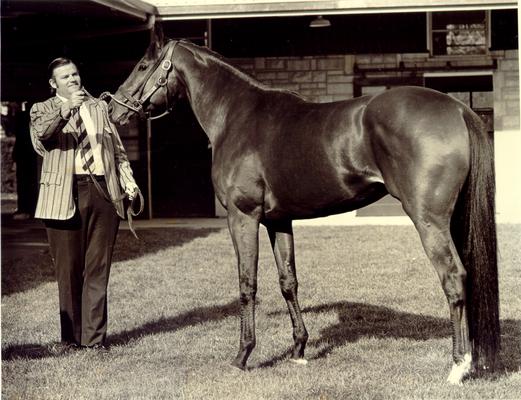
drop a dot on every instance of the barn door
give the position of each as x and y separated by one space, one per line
180 166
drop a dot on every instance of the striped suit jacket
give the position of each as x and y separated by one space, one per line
56 140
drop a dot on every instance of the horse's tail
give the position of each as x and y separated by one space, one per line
473 228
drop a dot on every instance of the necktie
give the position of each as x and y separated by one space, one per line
84 145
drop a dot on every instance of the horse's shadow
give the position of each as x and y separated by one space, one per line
189 318
355 321
196 316
358 320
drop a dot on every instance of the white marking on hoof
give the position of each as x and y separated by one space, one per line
299 361
460 371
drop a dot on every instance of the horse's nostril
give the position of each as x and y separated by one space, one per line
111 108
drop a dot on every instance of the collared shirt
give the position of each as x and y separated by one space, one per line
95 142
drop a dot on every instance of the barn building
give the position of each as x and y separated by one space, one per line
325 50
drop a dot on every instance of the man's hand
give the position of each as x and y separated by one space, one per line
76 99
74 102
131 190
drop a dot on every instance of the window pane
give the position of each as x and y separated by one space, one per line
459 33
439 43
466 39
440 20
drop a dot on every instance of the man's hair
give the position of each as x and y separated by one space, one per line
58 62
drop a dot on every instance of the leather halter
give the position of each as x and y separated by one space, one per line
136 105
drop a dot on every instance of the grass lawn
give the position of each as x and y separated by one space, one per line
375 312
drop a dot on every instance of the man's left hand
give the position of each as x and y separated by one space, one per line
131 190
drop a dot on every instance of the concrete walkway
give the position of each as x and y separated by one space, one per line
29 236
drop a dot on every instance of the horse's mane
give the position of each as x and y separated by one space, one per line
223 62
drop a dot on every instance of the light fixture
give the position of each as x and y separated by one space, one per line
319 22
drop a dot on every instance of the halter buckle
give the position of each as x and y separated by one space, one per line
162 81
166 65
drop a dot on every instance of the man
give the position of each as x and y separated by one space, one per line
84 169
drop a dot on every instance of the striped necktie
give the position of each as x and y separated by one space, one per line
84 145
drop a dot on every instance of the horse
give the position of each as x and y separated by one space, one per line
277 158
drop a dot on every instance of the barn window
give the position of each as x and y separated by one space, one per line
459 33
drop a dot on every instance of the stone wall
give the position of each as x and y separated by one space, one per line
329 78
506 91
320 79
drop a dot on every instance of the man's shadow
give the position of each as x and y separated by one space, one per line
359 320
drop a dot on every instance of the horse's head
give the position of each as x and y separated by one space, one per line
152 83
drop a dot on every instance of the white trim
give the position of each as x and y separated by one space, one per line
456 73
243 9
429 32
489 30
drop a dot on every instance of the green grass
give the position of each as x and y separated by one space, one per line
373 306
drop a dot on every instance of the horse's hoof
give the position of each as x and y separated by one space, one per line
299 361
460 371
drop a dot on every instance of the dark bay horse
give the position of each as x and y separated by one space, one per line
278 157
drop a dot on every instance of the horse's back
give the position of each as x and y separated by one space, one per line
418 109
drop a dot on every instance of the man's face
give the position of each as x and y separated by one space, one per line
66 80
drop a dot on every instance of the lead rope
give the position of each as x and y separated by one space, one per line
168 110
130 209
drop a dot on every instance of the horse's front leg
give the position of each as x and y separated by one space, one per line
281 237
244 230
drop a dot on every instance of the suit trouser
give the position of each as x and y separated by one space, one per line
82 250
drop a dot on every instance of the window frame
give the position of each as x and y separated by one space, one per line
430 32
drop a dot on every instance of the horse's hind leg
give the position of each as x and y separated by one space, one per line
439 246
281 237
244 229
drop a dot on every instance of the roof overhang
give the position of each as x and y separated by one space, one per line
203 9
136 8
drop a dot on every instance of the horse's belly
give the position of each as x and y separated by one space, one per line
302 201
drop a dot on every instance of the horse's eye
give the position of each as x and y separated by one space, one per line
142 67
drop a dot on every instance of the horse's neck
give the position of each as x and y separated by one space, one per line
214 90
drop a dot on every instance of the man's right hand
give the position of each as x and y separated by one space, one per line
74 102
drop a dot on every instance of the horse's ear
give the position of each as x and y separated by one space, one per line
156 39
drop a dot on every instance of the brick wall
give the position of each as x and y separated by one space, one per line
506 91
329 78
320 79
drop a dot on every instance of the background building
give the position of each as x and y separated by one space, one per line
467 49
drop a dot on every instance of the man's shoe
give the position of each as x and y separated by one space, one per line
63 348
100 348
